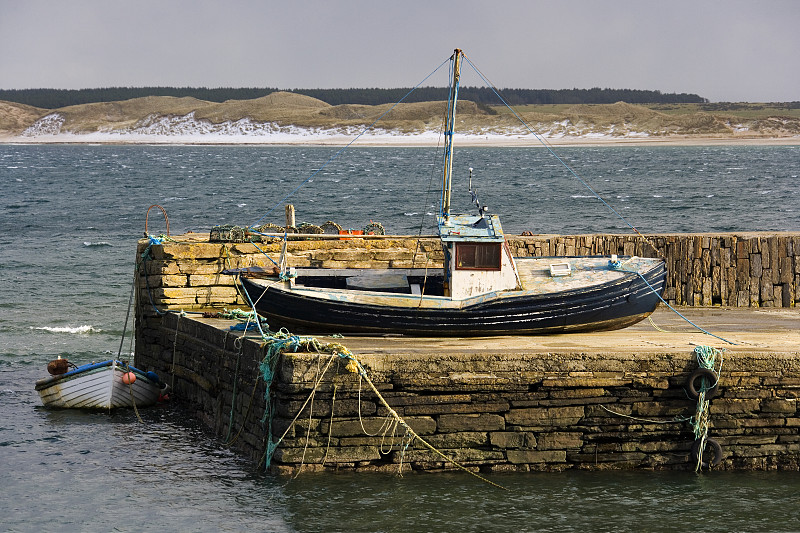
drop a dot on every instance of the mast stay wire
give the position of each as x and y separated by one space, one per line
337 154
549 147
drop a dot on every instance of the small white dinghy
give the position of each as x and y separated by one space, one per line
103 385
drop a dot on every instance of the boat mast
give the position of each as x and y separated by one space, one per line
448 135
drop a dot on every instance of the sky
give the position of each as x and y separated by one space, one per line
722 50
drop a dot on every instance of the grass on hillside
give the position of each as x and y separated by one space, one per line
741 110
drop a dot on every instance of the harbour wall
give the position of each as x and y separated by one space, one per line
496 407
492 409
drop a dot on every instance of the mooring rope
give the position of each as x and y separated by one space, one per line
130 390
363 373
239 349
618 266
648 421
706 358
275 346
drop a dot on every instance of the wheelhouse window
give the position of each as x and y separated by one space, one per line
483 256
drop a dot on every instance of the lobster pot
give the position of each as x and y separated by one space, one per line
227 233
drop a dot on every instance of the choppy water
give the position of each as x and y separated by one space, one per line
69 220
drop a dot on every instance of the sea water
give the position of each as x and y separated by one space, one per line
70 217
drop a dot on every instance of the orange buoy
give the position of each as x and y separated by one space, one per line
128 378
59 366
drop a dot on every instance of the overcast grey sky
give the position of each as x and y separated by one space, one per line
732 50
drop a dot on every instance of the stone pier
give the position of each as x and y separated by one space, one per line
590 401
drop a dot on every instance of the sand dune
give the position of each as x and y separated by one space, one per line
286 118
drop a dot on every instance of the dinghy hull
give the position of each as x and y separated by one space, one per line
100 386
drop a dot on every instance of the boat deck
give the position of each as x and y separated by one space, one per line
535 272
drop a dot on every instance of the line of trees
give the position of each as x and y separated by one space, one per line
55 98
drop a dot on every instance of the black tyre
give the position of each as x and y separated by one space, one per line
711 379
711 446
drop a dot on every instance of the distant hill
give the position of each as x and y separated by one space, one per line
289 116
57 98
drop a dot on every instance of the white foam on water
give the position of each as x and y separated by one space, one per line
79 330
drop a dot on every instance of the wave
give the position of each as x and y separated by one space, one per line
100 243
80 330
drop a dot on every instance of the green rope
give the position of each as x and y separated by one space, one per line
233 397
706 358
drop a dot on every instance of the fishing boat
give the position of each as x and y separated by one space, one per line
481 289
103 385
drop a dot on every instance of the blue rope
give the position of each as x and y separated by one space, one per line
265 254
336 155
672 308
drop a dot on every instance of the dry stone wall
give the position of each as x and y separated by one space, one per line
738 270
490 412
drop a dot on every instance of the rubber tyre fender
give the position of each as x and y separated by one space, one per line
716 449
707 373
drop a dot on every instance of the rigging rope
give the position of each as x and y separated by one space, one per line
549 147
337 154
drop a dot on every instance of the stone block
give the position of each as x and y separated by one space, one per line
470 422
559 440
755 265
463 439
392 254
512 439
743 298
352 255
342 408
338 454
786 273
734 406
206 267
343 427
176 280
577 393
590 382
210 280
743 271
197 250
418 454
536 456
658 409
545 416
399 399
706 292
748 440
456 408
779 406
